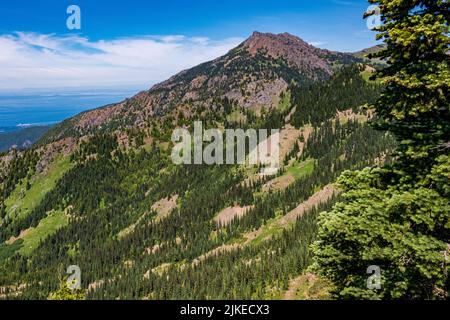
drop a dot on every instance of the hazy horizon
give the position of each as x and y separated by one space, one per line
138 46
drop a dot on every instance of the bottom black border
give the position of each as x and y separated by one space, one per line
175 310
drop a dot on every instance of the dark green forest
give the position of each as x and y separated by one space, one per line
110 188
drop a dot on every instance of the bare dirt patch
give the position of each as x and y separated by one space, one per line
227 215
95 285
165 206
12 291
307 287
369 69
306 132
22 235
322 196
319 197
158 270
288 136
279 183
217 251
287 119
158 247
285 221
347 115
128 230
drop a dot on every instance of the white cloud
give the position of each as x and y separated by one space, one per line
317 43
47 61
344 3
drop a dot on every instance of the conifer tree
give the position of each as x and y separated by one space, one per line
66 293
396 216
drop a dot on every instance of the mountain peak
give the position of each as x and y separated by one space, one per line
271 38
291 48
256 34
253 75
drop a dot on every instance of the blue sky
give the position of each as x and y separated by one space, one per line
136 43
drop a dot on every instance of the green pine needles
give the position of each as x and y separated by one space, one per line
396 216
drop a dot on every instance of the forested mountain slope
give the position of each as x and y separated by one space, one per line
100 191
253 74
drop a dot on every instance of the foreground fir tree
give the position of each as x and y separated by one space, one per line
396 216
65 292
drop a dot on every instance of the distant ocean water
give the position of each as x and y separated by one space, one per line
21 111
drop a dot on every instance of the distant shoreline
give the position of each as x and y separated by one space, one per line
22 137
25 111
22 126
